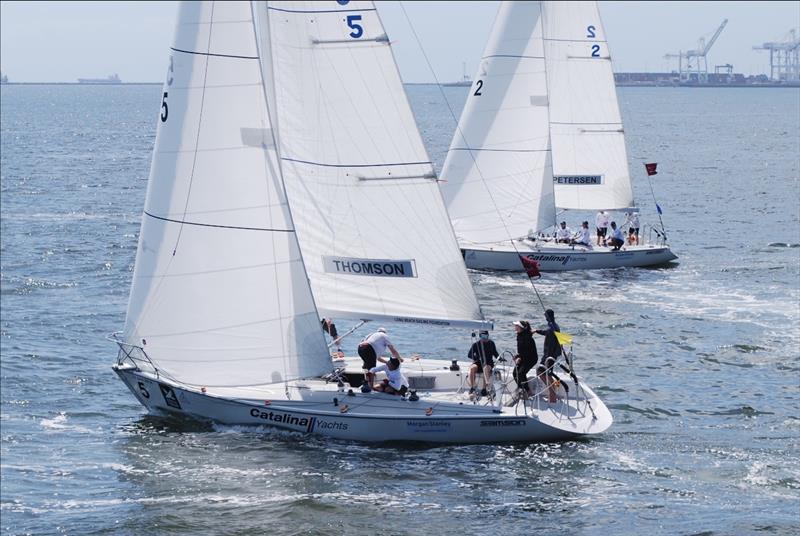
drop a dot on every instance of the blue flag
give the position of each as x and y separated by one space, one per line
658 208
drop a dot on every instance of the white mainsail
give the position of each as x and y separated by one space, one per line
374 232
498 171
220 296
590 164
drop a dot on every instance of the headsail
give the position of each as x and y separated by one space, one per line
374 232
500 159
590 164
220 295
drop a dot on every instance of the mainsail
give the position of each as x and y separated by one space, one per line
220 295
499 170
590 164
374 233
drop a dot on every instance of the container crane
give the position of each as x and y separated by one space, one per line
695 60
784 60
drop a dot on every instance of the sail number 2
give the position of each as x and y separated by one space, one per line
591 32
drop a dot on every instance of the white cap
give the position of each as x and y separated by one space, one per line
382 330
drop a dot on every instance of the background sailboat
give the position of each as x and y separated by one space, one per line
276 187
543 131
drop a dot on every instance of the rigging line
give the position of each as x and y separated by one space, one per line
237 227
215 55
199 129
652 192
471 152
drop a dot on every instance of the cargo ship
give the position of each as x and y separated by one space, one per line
111 79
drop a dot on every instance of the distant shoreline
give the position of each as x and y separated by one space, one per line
693 86
82 84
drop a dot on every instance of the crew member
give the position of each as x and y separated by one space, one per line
552 349
482 354
526 357
372 349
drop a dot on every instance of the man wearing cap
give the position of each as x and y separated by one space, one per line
563 234
482 354
370 350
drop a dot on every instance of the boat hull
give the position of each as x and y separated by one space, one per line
376 417
504 257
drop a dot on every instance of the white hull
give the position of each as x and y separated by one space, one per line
557 258
317 407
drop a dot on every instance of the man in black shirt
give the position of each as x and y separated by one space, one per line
526 357
482 354
552 350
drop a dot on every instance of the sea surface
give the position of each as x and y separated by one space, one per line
699 362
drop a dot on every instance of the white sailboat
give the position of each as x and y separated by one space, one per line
541 131
289 182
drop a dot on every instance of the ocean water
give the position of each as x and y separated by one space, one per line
699 362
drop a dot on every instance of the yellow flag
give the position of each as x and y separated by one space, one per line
563 338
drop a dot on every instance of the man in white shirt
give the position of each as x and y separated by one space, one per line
616 240
372 349
563 233
583 236
395 382
602 226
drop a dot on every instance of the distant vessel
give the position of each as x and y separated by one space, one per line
112 79
542 131
465 81
3 79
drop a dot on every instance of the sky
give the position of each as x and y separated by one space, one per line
62 41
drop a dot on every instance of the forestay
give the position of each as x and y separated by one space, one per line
498 171
374 233
590 164
220 296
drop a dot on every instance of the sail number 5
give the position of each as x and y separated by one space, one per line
164 108
170 79
352 23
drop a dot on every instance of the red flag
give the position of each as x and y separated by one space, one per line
531 266
651 169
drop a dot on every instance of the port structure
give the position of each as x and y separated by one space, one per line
784 58
692 64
